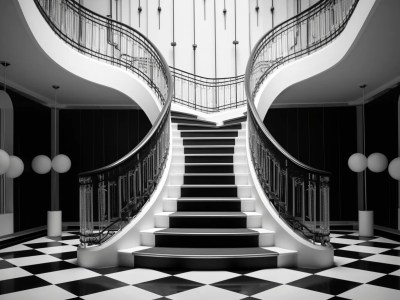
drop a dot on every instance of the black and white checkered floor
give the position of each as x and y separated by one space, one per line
45 268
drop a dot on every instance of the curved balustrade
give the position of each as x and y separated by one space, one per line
299 193
111 196
208 94
107 40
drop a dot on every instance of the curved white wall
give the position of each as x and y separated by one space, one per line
87 68
315 64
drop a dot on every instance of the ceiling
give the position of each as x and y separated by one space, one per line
374 60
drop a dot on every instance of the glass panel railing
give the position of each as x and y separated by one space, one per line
299 192
113 195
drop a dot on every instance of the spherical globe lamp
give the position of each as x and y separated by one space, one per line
16 167
357 162
41 164
377 162
61 163
394 168
4 161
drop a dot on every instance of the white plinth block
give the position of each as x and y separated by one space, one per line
54 223
366 223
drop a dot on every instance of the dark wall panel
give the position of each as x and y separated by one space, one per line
32 136
93 139
323 138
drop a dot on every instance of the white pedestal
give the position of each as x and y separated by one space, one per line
54 223
366 223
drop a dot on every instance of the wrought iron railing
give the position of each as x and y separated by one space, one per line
111 196
208 94
299 192
107 40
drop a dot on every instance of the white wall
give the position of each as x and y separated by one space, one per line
206 30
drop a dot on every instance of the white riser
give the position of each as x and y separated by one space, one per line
247 205
243 191
177 178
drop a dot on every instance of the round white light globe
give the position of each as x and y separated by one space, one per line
41 164
16 167
4 161
377 162
357 162
394 168
61 163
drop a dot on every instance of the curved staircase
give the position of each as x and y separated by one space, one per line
209 219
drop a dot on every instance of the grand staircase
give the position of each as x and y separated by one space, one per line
209 220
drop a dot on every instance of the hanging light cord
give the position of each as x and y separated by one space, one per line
55 87
363 121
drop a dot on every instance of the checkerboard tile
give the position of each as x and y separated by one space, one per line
46 268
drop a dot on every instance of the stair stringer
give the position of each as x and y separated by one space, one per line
308 255
106 254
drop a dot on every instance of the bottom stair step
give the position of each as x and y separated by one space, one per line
254 258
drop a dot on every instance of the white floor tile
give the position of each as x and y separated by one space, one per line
127 292
351 274
32 260
11 273
67 234
207 292
365 249
67 275
208 277
15 248
339 260
371 292
58 249
71 242
384 240
386 259
72 261
40 240
50 292
335 235
135 276
396 273
287 292
346 241
280 275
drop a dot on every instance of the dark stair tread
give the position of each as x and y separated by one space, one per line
208 231
180 120
206 252
182 114
206 214
235 120
208 199
209 127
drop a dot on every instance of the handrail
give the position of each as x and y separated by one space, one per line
299 193
208 94
112 195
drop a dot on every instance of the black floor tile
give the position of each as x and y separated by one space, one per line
392 252
246 285
65 255
18 254
354 237
44 245
324 284
389 281
5 264
338 246
379 245
168 285
91 285
372 266
20 284
351 254
337 298
49 267
105 271
64 238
